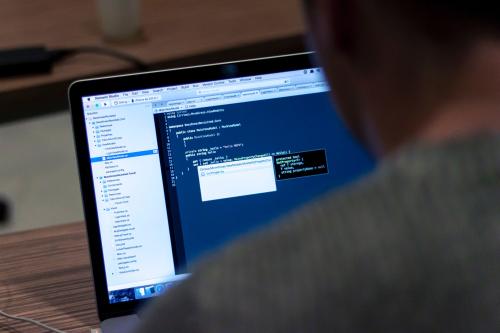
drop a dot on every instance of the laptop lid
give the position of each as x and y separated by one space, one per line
176 163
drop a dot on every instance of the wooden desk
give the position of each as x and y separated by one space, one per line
45 274
172 30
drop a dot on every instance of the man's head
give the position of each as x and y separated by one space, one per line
397 68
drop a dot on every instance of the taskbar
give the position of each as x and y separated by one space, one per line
143 292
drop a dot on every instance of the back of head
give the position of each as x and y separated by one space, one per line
483 12
458 20
414 70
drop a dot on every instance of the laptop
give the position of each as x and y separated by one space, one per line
174 164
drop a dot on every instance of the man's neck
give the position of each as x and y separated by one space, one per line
472 107
461 120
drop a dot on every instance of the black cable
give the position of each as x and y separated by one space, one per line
60 54
31 60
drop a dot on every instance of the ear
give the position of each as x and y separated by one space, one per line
335 24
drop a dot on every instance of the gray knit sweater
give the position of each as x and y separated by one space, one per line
415 247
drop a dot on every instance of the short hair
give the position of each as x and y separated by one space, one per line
476 11
471 16
483 15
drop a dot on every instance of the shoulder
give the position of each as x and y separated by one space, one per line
277 276
406 237
271 272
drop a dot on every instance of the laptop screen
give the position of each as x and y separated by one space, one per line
180 170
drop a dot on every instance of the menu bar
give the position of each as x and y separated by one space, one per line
199 89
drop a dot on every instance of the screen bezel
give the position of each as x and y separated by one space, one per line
140 81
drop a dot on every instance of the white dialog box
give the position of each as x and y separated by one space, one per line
236 179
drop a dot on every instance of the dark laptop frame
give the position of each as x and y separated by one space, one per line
140 81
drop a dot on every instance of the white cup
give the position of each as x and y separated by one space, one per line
120 19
